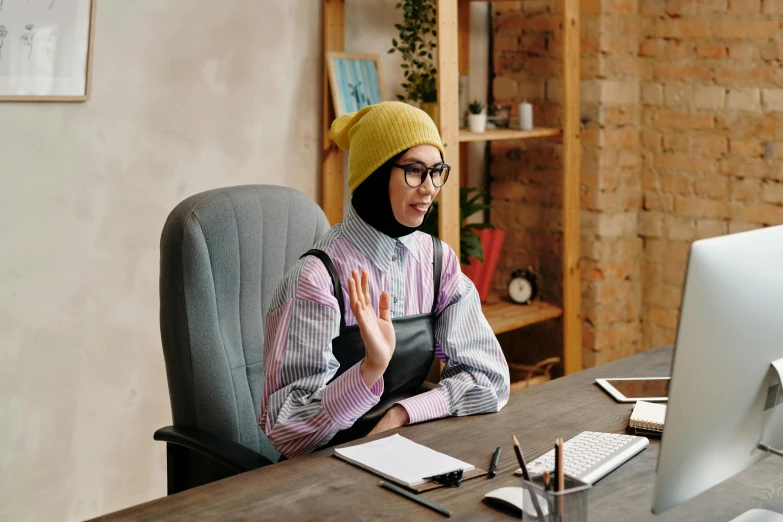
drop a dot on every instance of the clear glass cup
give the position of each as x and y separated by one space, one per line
569 505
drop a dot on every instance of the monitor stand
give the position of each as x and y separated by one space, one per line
763 515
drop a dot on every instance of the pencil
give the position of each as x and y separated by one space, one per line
415 498
560 475
560 470
526 476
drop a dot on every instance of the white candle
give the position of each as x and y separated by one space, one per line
525 116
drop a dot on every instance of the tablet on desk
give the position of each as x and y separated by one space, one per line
650 389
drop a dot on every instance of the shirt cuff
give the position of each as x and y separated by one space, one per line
347 398
425 406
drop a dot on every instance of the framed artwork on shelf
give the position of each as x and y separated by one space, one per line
46 49
355 81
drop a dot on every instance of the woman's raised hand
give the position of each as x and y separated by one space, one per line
377 330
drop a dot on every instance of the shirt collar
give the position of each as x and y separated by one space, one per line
375 245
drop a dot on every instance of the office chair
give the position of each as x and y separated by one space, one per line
223 253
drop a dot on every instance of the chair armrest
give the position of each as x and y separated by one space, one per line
229 453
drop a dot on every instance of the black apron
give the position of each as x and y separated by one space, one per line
412 358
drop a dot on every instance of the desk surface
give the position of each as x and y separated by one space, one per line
319 486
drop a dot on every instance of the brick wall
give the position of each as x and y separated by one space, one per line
712 131
682 102
526 184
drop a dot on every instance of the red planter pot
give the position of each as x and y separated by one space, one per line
481 273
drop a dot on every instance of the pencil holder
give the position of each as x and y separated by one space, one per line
569 505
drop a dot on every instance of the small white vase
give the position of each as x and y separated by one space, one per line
477 122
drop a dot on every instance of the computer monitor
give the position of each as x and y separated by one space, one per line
724 394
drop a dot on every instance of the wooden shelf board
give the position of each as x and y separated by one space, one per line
508 134
504 316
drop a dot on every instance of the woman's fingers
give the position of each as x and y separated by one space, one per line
359 290
356 295
352 294
384 306
366 286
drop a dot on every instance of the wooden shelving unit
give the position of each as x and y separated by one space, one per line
453 59
508 134
504 316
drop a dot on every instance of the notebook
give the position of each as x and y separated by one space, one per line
404 462
648 416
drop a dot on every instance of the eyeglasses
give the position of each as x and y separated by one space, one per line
416 173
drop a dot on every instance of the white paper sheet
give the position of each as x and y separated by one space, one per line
401 460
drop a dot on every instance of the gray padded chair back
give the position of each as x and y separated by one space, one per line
223 253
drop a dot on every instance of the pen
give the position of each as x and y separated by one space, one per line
411 496
493 467
547 478
526 476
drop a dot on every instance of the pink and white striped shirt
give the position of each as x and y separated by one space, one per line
299 410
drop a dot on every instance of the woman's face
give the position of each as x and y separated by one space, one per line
410 205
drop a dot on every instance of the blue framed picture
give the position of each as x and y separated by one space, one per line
355 81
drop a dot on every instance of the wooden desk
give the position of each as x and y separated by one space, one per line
320 487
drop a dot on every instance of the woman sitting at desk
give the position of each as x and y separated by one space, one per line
334 373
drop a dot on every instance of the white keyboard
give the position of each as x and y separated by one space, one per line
590 456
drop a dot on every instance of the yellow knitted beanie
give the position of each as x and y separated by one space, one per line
379 132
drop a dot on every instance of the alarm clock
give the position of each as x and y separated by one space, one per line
523 286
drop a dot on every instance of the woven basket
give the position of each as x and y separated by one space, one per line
526 375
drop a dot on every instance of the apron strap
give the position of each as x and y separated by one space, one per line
437 268
338 288
437 264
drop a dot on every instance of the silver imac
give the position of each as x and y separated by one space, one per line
725 391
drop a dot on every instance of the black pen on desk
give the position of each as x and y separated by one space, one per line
493 466
526 476
411 496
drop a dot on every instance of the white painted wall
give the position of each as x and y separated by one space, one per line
188 95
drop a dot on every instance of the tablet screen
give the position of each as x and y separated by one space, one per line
642 389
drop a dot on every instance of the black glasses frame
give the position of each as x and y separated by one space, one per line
427 172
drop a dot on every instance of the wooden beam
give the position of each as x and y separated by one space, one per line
332 179
463 27
572 297
448 101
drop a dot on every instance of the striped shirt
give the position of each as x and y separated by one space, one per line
299 410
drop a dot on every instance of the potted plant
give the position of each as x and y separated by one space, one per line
479 243
477 119
416 43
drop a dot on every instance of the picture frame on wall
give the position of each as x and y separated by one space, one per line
355 81
46 50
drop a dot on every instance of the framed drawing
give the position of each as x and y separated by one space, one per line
46 49
355 81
